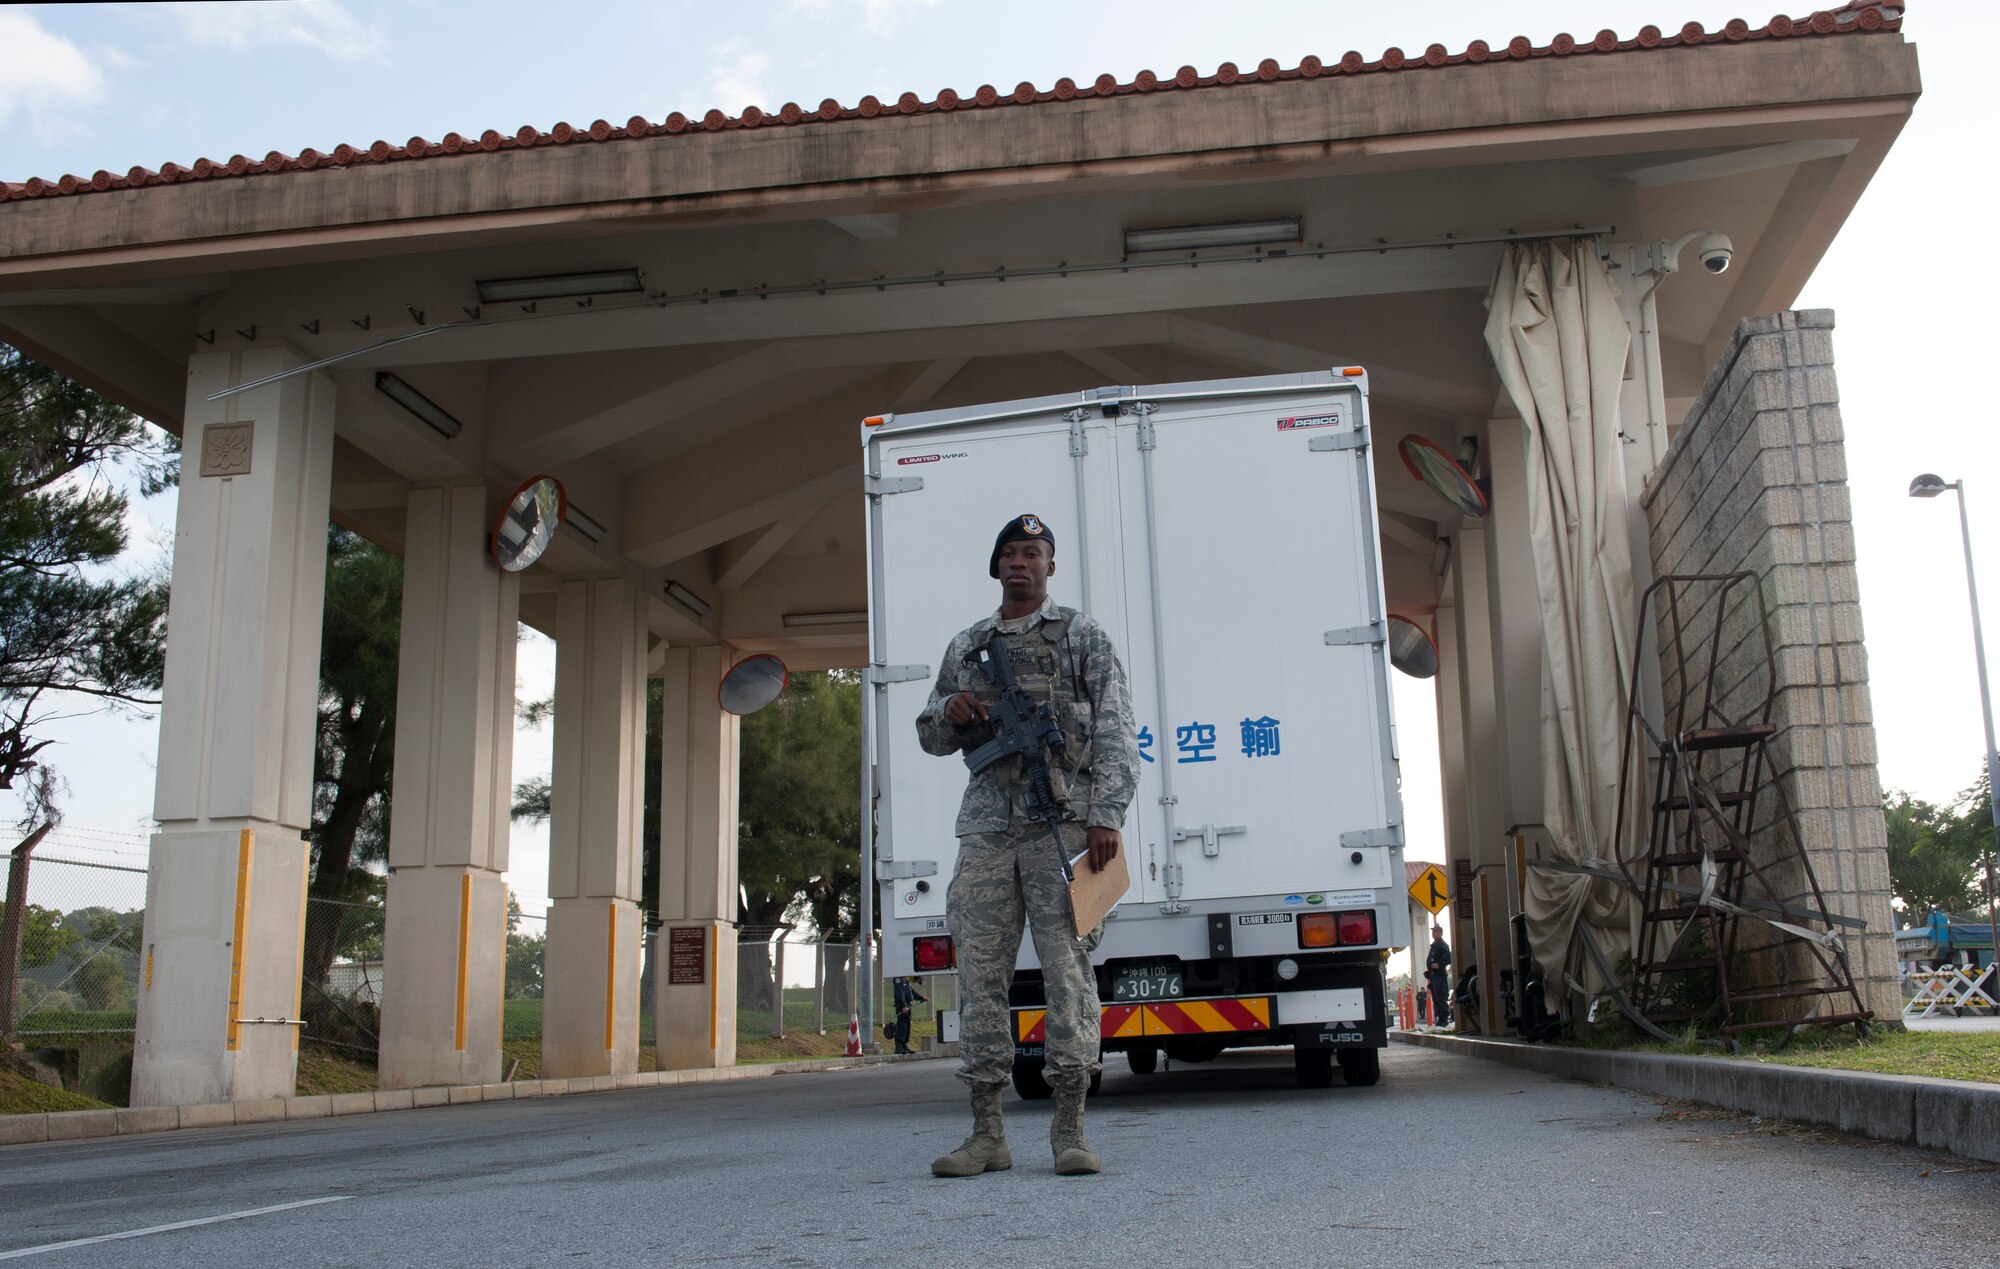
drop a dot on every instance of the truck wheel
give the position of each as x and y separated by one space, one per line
1143 1061
1314 1067
1361 1068
1028 1081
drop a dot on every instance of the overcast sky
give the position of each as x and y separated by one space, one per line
85 87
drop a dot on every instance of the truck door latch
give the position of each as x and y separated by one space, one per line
896 869
1208 834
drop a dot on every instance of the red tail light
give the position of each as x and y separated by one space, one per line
934 953
1336 929
1357 928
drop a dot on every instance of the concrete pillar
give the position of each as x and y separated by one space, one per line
694 1000
445 949
225 897
590 1019
1482 804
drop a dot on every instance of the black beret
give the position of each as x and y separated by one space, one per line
1022 528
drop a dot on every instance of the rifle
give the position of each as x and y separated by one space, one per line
1028 731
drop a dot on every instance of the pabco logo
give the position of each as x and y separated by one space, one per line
921 458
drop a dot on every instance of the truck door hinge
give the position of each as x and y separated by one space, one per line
882 675
1145 412
1339 441
877 486
1208 834
1391 835
1079 441
897 869
1373 632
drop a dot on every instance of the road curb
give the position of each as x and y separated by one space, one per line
1951 1115
74 1125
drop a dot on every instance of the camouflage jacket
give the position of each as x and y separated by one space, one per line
1092 700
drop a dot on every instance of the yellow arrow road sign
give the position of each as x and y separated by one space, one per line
1429 889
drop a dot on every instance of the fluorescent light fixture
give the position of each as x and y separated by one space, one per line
418 404
558 285
853 618
687 599
576 519
1237 233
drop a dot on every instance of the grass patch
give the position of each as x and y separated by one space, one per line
321 1071
75 1028
20 1095
1951 1055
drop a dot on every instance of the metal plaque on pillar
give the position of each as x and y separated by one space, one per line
687 956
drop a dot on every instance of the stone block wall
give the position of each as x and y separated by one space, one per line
1756 480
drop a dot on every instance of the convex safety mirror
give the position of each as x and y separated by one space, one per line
753 683
1444 474
528 524
1411 648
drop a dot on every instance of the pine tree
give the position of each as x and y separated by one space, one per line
70 634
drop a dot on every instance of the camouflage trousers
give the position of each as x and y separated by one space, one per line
1003 879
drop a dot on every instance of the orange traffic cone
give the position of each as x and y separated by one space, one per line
853 1036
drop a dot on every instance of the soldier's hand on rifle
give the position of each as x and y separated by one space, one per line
963 709
1103 843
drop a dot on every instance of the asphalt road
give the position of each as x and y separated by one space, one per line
1450 1160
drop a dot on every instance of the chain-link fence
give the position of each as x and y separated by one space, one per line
76 968
340 989
70 925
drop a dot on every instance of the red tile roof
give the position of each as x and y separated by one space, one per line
1856 16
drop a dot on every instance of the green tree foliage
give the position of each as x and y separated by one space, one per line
799 823
44 937
354 749
68 631
1937 854
526 954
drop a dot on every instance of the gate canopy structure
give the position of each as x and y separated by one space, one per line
685 320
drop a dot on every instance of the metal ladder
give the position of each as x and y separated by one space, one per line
1723 848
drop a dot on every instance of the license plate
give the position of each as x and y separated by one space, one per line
1141 984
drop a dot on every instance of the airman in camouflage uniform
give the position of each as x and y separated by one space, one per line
1008 868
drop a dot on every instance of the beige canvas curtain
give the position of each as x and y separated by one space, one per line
1559 342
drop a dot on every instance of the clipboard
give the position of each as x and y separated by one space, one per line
1093 894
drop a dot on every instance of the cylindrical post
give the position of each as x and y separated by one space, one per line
819 986
1992 755
778 987
13 927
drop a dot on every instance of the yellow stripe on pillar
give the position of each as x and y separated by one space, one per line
243 852
464 948
299 978
610 972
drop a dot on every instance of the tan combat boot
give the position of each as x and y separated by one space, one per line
1074 1157
986 1149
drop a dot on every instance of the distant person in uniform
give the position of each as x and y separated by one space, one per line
906 997
1008 869
1437 975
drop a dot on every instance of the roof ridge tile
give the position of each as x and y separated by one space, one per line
1853 16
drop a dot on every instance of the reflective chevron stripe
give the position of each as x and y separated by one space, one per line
1186 1017
1245 1013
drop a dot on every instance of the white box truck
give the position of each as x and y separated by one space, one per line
1224 533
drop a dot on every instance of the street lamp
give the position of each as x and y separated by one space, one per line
1930 486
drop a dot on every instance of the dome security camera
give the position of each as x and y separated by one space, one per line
1715 252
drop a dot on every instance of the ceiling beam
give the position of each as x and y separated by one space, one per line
741 557
1104 363
1424 394
653 408
930 381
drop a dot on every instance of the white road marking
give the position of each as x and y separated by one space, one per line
165 1229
